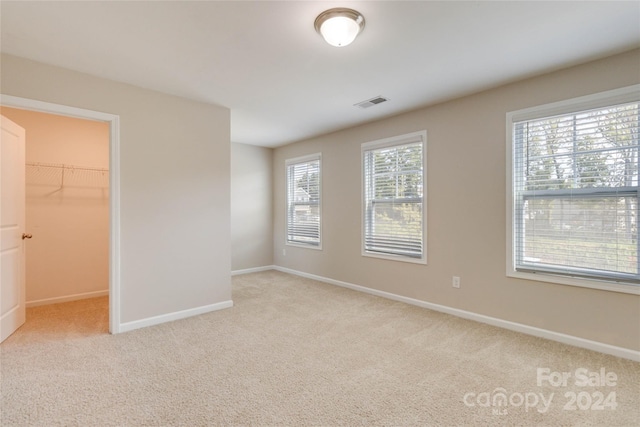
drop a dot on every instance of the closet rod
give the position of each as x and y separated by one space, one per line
68 167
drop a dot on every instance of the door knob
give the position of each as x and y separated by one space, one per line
26 236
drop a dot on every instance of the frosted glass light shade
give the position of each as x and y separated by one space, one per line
339 26
339 31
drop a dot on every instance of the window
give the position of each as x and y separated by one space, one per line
393 190
575 189
303 201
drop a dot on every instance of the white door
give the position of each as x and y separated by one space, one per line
12 207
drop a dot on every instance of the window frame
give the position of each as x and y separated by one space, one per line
598 100
295 161
414 137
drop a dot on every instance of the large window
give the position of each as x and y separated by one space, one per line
394 205
575 188
303 201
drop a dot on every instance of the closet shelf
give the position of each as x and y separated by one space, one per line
65 166
64 175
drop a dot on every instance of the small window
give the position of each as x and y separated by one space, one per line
303 201
393 191
574 188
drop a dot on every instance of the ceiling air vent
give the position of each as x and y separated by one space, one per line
371 102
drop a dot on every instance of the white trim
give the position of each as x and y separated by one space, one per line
505 324
408 138
252 270
621 95
401 258
288 162
603 285
48 107
67 298
170 317
114 218
303 159
302 245
597 100
114 187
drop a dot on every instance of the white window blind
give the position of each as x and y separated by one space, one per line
393 187
575 184
303 201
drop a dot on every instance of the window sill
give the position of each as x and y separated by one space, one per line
602 285
400 258
302 245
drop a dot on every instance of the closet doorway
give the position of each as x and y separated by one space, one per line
67 213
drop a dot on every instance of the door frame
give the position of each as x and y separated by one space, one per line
114 186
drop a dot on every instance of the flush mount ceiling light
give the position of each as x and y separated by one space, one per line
339 26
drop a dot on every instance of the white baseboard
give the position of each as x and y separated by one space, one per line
622 352
253 270
66 298
169 317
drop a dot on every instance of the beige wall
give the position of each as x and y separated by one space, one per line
466 193
175 184
69 254
251 207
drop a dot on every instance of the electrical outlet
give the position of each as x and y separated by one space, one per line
456 282
284 252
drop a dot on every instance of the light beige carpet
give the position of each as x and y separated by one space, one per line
295 352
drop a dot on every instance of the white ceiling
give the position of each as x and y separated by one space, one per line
265 62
